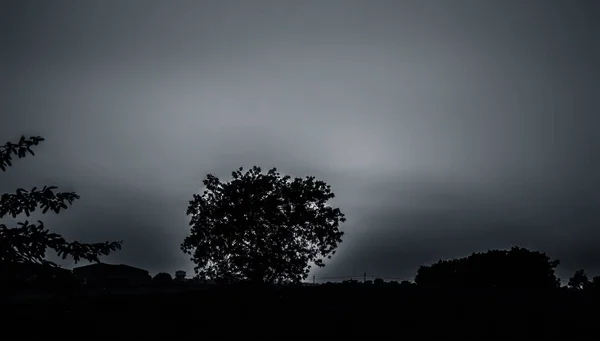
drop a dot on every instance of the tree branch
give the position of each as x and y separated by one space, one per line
28 201
19 149
29 243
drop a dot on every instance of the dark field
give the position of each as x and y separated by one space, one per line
314 312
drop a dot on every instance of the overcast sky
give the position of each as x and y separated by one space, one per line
444 127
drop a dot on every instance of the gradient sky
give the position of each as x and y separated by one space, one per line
444 127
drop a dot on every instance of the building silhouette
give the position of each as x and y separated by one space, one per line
112 275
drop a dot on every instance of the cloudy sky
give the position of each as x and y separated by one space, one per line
444 127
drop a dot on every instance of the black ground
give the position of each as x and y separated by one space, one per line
228 313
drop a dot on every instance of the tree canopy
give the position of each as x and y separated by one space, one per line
162 279
515 268
579 280
261 227
28 242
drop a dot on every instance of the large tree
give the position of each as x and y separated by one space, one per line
261 227
28 242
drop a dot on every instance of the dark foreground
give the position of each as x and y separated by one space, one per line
227 313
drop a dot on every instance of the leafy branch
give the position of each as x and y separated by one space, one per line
19 149
28 243
28 201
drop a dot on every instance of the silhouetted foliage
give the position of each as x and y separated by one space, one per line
502 313
579 280
379 281
517 268
261 227
350 282
406 284
162 279
28 243
595 283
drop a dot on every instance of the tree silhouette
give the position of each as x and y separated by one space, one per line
579 280
261 227
162 279
595 283
406 284
379 281
516 268
28 243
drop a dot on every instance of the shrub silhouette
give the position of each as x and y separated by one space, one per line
162 279
261 227
516 268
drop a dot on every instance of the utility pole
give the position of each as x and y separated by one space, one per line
313 280
365 278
